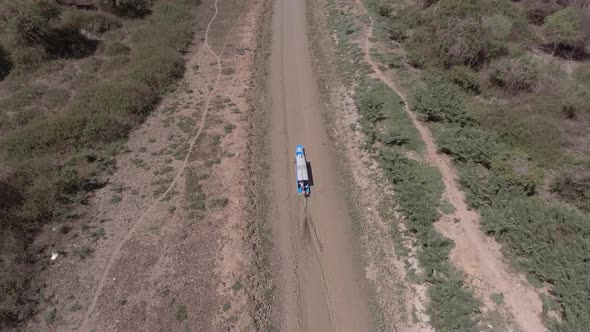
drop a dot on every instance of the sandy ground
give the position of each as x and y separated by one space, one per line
163 244
321 287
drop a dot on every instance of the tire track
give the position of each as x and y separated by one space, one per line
116 253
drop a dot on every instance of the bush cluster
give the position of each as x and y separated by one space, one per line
467 144
384 120
465 77
562 29
515 74
573 186
438 100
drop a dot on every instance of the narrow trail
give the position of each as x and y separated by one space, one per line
116 253
478 255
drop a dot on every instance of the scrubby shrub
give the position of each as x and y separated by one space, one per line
437 100
114 47
573 186
176 36
515 74
538 10
371 107
415 59
27 58
157 68
95 22
30 20
25 116
394 136
397 29
419 188
462 41
468 144
517 168
38 137
114 63
498 25
465 77
562 29
126 97
129 8
104 127
5 63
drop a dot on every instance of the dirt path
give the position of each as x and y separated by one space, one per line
322 282
476 254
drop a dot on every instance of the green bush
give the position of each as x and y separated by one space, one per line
176 36
384 118
5 63
437 100
467 144
416 59
58 132
125 97
462 41
25 116
465 77
103 127
418 188
114 48
95 22
157 68
114 63
538 10
30 20
28 58
515 74
499 26
397 29
128 8
516 167
562 29
573 186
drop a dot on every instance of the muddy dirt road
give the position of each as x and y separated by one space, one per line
322 280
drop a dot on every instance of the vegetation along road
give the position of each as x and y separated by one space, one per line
148 179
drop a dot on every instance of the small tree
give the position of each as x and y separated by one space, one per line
5 63
562 29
